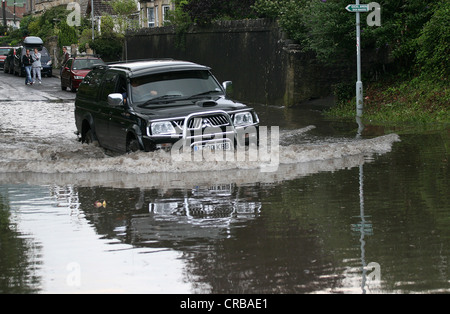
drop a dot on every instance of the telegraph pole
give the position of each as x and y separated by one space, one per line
4 13
92 18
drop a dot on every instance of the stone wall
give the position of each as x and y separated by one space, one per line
264 67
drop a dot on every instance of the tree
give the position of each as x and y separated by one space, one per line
67 35
327 29
433 54
110 43
124 10
205 11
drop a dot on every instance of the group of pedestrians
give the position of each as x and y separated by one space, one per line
32 63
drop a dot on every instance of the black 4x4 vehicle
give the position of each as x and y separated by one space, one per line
150 105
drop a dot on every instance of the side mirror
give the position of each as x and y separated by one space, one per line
115 99
228 87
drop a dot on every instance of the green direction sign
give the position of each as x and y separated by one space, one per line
357 8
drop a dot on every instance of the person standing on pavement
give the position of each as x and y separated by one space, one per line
36 66
27 62
65 54
66 57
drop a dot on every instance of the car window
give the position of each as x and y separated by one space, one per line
44 52
86 64
176 84
4 51
109 84
91 84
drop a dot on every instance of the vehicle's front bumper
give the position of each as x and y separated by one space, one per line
227 135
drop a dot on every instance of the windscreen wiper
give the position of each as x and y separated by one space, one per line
158 100
204 93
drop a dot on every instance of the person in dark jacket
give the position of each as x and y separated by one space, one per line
66 57
27 61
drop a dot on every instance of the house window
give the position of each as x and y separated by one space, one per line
166 9
151 17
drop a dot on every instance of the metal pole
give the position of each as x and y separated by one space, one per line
359 85
92 17
4 13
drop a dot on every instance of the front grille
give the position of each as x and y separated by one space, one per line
195 123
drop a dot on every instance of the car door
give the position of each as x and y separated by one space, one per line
89 101
116 115
65 74
122 120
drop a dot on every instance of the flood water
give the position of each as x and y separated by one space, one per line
339 213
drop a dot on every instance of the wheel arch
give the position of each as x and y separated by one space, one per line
86 125
134 133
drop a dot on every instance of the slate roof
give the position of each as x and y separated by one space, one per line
100 8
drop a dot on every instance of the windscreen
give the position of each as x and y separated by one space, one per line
172 86
4 51
86 64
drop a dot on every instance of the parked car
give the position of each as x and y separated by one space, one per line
75 69
8 67
151 105
32 42
3 53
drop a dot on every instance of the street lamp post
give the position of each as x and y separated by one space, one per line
4 12
92 18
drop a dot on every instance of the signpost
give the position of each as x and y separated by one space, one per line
357 8
373 19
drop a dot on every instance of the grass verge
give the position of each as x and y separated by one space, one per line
417 101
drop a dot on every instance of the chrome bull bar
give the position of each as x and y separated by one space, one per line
199 122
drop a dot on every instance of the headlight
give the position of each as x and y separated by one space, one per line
78 77
163 127
49 62
243 118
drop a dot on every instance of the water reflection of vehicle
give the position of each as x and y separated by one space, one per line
169 218
211 202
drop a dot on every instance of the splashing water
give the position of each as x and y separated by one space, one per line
39 138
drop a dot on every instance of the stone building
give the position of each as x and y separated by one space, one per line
14 10
153 13
39 6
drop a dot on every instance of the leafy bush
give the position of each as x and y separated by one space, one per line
67 35
434 44
109 47
204 12
416 33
